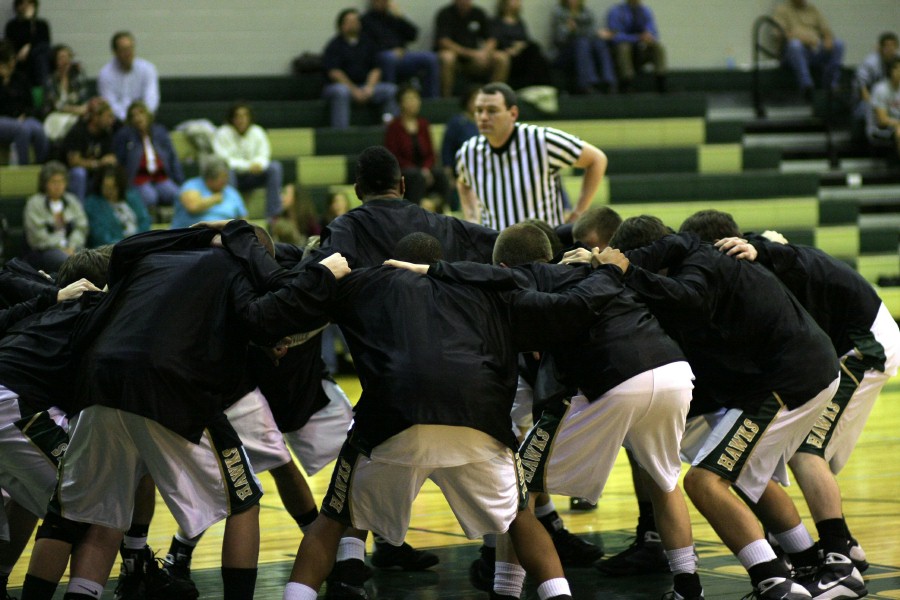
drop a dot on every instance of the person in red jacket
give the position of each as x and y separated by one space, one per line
408 137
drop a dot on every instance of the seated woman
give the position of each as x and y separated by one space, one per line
65 93
245 147
55 223
582 48
408 137
17 123
114 212
145 149
527 64
208 197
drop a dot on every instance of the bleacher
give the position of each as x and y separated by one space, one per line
667 157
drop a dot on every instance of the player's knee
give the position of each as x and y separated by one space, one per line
56 527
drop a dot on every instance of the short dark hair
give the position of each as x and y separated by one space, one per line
377 170
238 105
887 36
91 264
636 232
118 36
117 172
497 87
711 225
420 248
556 245
521 244
139 105
341 15
599 220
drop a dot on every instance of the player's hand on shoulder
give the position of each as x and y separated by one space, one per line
737 247
415 268
75 290
609 256
578 255
337 264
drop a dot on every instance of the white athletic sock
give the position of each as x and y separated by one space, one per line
77 585
489 540
543 511
756 553
554 587
795 540
134 543
298 591
183 539
509 579
682 560
350 548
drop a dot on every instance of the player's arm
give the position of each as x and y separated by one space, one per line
594 162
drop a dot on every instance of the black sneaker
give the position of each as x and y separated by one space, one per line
131 574
481 571
858 556
177 568
581 504
351 573
644 556
160 584
338 590
673 595
777 588
574 551
686 587
405 557
837 578
496 596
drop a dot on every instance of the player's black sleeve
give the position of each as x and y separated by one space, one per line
10 316
665 252
130 250
264 272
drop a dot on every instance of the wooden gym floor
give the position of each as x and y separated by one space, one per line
870 484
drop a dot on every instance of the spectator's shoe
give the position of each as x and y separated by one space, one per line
778 588
581 504
858 556
574 551
644 556
405 557
687 587
481 571
347 580
160 584
837 578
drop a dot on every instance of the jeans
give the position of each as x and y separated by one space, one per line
164 192
590 59
422 64
801 59
22 134
271 178
339 97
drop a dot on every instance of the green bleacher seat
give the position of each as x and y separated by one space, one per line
19 181
681 187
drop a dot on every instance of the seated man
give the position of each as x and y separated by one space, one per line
244 145
462 39
88 147
870 71
884 122
208 197
350 61
636 41
809 43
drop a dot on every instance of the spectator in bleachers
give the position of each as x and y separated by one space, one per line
810 44
113 210
635 39
351 64
336 205
463 41
126 78
208 197
65 93
244 145
408 137
391 32
885 128
17 123
582 48
871 70
88 146
55 223
151 164
527 64
30 37
460 128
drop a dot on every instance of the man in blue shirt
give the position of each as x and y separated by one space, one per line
635 39
208 197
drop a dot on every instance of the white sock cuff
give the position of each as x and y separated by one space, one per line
543 511
350 548
78 585
509 579
756 553
682 560
182 539
298 591
134 543
554 587
795 540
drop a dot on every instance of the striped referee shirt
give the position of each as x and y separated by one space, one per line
521 179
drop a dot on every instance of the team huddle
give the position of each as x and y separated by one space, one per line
503 366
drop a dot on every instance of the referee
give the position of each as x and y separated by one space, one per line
510 172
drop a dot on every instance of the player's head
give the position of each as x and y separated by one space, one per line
556 245
378 174
596 227
711 225
419 248
91 264
635 232
520 244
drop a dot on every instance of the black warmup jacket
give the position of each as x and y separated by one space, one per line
169 341
745 336
843 303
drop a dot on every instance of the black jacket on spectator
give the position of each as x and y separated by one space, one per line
470 31
388 31
356 60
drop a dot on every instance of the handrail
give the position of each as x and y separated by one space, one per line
760 48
